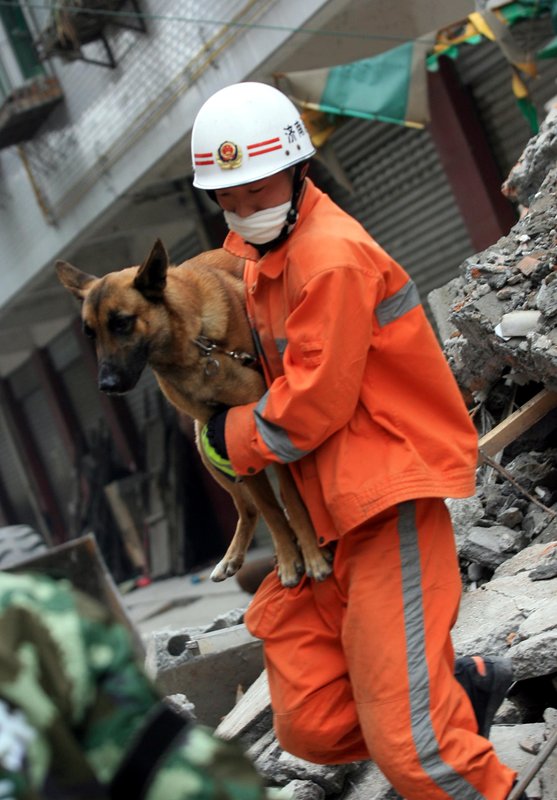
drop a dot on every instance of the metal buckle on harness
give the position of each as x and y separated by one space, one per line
247 359
208 347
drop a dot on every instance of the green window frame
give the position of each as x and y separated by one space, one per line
4 83
21 40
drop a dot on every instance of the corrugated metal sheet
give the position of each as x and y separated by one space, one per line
402 197
401 193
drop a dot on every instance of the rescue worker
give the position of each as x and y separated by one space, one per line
361 404
80 719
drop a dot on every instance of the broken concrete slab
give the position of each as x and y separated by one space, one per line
304 790
492 545
211 682
281 767
512 615
507 742
465 512
219 639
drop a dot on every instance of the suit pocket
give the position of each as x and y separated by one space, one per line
275 610
260 617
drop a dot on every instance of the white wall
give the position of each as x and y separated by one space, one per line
114 127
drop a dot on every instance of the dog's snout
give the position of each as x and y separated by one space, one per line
109 379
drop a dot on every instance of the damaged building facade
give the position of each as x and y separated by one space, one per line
94 134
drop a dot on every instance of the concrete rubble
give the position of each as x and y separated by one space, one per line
511 610
498 324
498 318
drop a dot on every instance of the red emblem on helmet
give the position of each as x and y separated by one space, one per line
229 155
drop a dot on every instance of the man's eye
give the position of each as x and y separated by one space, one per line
121 325
88 331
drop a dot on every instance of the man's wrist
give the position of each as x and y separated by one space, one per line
213 445
216 433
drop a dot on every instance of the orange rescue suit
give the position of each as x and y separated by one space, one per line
361 401
362 405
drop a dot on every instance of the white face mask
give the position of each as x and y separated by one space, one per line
261 227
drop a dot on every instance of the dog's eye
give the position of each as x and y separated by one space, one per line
121 325
88 331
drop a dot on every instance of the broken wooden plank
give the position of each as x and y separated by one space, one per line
517 423
248 711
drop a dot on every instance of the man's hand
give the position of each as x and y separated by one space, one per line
213 445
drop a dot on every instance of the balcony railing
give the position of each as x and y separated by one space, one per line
71 29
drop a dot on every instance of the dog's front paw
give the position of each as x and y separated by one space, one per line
226 568
319 565
290 572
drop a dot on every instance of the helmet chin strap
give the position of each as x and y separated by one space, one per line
297 186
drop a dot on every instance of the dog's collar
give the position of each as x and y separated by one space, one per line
208 347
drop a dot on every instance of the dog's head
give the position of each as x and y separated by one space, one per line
117 313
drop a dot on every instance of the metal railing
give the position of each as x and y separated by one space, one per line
106 114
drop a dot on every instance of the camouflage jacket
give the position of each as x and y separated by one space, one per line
80 719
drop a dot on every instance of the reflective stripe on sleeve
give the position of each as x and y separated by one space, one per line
398 304
276 439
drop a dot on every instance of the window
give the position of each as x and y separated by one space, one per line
18 57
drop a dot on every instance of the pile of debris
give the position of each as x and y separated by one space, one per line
498 320
499 317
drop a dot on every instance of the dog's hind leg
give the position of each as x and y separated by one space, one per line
317 559
254 496
290 563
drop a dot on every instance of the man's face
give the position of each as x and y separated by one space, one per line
251 197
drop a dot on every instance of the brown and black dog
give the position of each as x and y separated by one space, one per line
188 323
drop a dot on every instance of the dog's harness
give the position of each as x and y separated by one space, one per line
208 347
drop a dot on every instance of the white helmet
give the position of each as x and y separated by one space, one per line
245 132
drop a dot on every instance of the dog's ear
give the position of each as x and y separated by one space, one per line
151 276
73 279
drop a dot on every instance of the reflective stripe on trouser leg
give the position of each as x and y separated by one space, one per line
320 712
417 721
